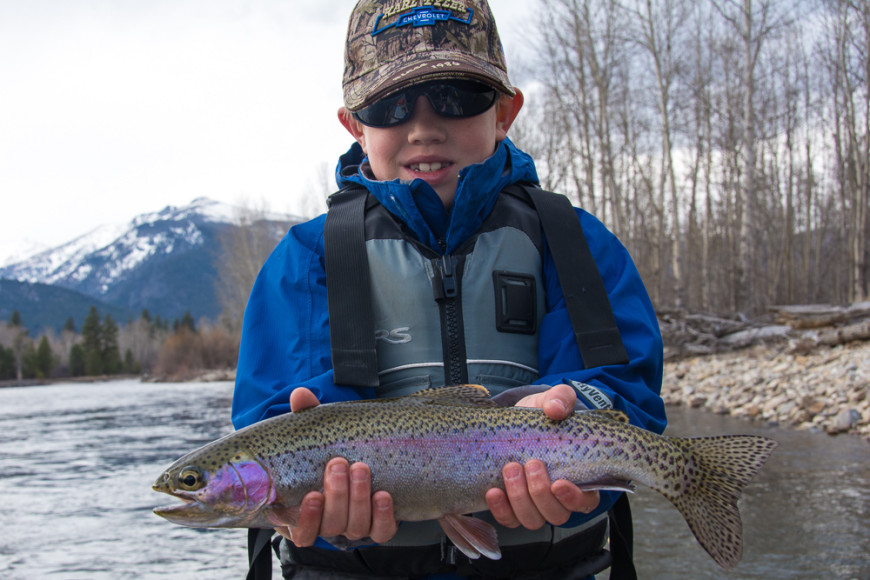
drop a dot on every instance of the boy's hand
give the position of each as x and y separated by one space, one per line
529 498
346 507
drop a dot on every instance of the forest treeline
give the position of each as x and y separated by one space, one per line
726 143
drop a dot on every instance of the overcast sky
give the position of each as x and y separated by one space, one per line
112 108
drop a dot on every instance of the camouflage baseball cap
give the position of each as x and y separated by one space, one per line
392 44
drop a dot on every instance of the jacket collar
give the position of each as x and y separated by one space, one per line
417 204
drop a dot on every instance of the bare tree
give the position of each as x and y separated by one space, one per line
243 250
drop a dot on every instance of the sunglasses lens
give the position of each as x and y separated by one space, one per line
462 99
389 111
455 100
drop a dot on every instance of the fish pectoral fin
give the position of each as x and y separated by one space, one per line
607 483
283 516
472 536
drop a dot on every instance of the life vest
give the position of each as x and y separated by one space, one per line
401 312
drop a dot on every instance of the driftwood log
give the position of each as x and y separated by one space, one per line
799 328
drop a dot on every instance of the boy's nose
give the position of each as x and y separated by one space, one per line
425 125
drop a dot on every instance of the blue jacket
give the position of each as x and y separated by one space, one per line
285 336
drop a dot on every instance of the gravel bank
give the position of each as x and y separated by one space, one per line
825 390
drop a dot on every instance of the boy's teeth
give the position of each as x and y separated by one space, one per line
427 167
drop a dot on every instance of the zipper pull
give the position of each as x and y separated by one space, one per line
445 285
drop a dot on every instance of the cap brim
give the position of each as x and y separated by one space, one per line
420 68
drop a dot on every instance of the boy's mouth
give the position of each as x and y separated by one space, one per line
428 167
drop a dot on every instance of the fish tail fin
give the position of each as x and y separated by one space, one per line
714 477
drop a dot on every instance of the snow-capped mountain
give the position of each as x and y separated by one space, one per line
163 261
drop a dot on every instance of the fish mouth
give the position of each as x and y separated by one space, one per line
189 512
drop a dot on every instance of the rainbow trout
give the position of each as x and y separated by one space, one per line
438 451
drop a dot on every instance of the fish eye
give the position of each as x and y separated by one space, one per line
190 478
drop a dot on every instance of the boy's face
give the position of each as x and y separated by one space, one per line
433 148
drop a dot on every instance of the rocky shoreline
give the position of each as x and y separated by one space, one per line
825 390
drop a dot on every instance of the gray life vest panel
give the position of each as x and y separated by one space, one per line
472 316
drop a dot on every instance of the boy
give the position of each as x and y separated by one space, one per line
463 289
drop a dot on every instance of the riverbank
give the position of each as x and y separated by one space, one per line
824 390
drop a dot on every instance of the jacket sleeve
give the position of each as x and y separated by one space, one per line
285 333
634 387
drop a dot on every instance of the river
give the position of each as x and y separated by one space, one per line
77 462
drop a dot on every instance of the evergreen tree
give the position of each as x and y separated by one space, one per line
77 361
92 343
110 353
146 316
7 364
187 321
15 318
44 357
70 325
29 365
130 364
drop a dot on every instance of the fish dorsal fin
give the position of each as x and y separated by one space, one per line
611 414
457 395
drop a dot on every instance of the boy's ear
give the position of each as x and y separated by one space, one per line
353 126
506 112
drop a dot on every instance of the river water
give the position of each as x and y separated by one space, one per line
77 462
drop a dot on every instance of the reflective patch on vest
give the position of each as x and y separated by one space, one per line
594 397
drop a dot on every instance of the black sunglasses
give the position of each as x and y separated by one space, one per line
454 100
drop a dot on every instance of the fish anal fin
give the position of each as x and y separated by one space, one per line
607 483
283 516
472 536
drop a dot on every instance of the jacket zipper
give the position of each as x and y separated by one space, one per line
446 288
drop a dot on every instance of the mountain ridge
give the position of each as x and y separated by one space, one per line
165 261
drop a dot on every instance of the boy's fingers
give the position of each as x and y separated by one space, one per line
302 398
359 507
573 498
557 402
336 491
307 527
541 493
518 493
500 507
384 523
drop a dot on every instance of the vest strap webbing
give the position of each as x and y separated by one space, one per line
349 293
589 308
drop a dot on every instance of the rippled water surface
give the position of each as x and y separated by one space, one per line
77 462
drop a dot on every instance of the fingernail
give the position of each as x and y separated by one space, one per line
534 468
339 469
512 472
314 503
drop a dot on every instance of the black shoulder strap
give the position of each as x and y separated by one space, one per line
259 554
622 540
352 337
585 295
